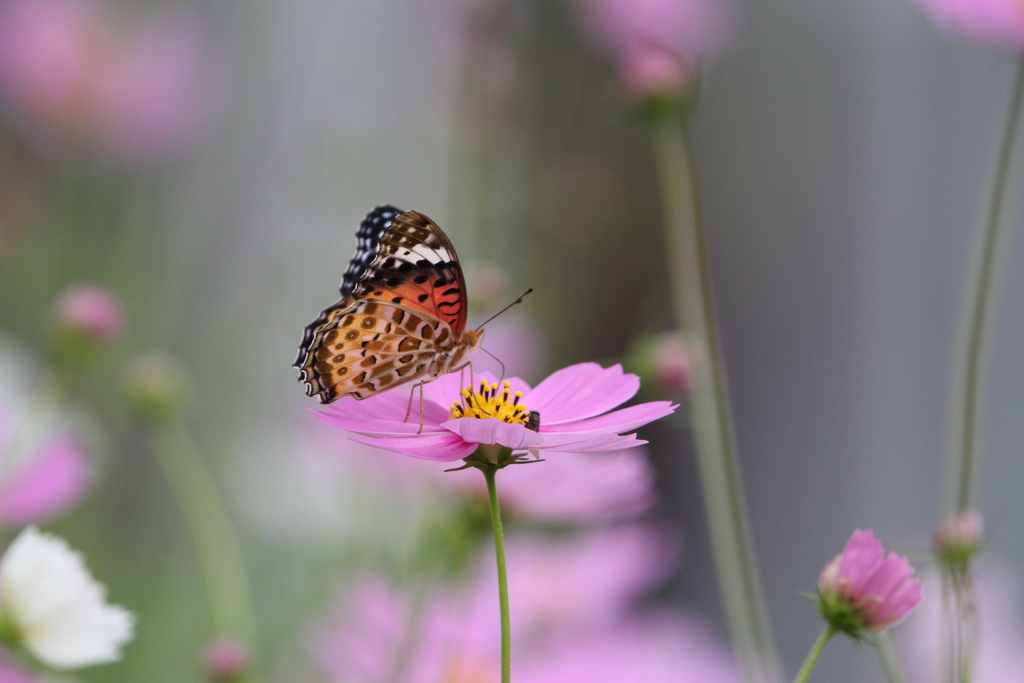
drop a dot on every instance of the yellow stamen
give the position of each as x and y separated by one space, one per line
488 401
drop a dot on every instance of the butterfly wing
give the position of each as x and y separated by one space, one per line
403 262
369 347
416 266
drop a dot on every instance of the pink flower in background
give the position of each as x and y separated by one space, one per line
558 617
666 648
863 589
1000 627
998 22
72 72
573 404
49 481
225 659
12 672
657 43
90 311
572 487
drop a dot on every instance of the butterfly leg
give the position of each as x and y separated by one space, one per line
408 407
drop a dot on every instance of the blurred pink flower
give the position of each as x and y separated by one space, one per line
224 659
957 539
999 22
70 73
573 404
1001 629
572 487
693 29
665 648
516 341
863 589
52 479
12 672
90 311
455 637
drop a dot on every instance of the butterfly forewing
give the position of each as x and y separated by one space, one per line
402 309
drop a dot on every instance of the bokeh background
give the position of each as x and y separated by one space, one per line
215 176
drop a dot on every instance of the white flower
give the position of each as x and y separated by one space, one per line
57 610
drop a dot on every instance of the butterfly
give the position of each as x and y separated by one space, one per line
401 316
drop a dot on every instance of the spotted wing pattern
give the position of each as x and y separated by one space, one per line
373 346
403 301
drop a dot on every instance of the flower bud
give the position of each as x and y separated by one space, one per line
156 385
651 72
663 361
225 660
863 590
86 316
957 540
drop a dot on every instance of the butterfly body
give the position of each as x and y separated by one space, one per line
401 316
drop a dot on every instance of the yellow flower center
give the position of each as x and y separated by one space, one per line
489 401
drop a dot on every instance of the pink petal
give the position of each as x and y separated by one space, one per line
617 421
369 427
888 577
581 391
494 431
54 480
444 447
861 558
391 405
899 603
584 443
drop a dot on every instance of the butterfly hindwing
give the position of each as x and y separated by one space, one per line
369 347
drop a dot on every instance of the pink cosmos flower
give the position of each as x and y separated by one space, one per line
998 22
46 483
573 405
90 311
657 43
863 589
555 615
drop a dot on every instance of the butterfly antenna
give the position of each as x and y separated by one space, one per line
499 363
517 301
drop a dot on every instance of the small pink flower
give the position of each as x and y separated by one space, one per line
998 22
225 658
957 539
90 311
573 405
865 590
693 29
46 483
657 44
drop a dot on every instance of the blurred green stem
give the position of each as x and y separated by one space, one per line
814 654
976 318
209 525
891 659
499 551
709 405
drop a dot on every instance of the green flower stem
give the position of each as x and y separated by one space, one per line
976 317
814 654
709 404
891 661
499 551
217 548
